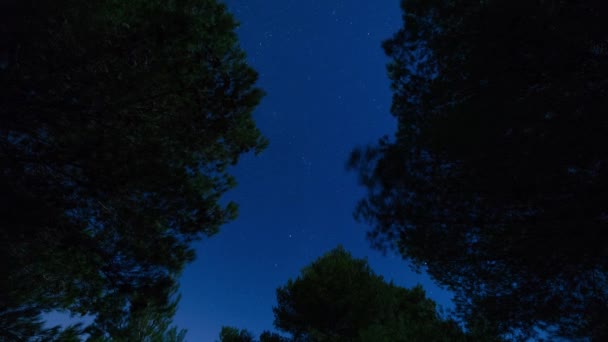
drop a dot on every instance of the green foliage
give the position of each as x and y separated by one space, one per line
146 321
118 120
230 334
496 181
25 324
339 298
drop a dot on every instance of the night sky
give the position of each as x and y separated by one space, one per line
323 69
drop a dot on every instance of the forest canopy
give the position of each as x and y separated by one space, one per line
339 298
496 181
118 121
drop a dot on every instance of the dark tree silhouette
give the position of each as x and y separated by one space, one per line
339 298
147 321
118 120
496 181
230 334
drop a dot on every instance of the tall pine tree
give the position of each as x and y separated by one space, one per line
118 120
496 182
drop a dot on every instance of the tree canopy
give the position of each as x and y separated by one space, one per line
339 298
231 334
496 180
118 121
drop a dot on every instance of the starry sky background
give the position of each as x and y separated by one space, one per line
323 69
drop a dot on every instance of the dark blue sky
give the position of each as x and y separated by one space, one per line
322 67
